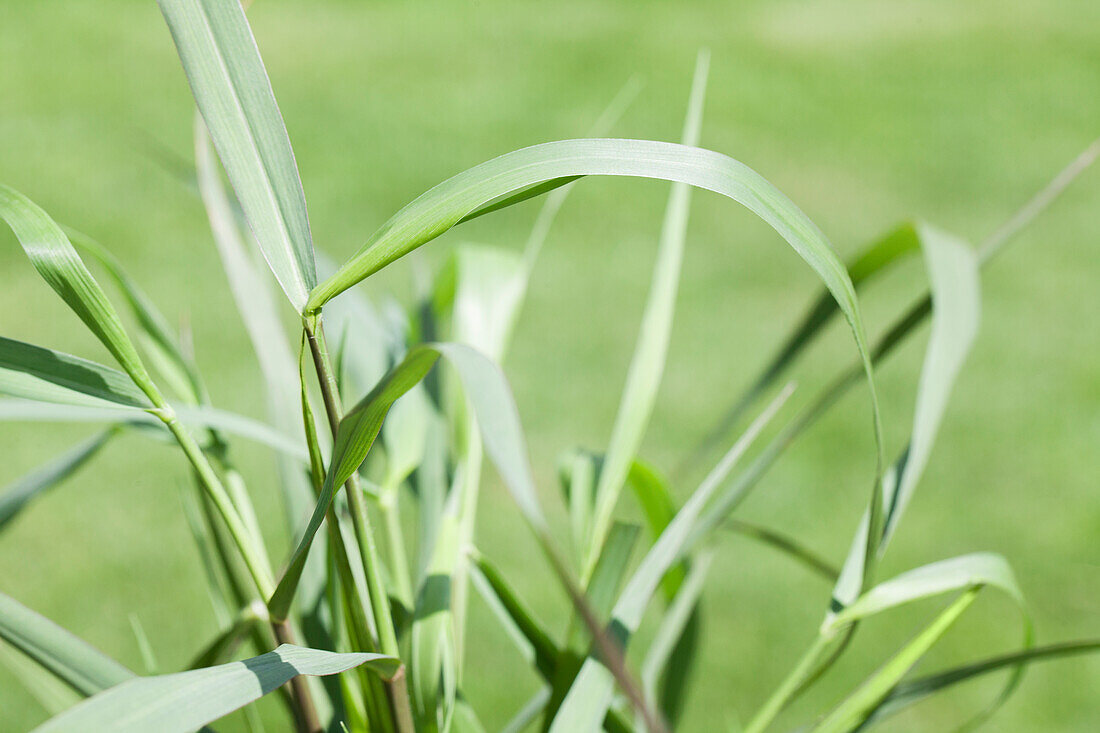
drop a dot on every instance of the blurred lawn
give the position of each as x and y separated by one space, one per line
863 112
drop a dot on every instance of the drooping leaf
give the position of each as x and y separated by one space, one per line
982 568
234 95
185 701
15 496
441 208
953 273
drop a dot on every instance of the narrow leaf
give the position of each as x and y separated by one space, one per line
185 701
265 332
234 95
651 351
56 261
953 273
913 691
36 373
672 626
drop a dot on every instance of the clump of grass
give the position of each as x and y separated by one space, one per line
365 426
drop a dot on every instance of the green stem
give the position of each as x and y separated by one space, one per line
396 688
354 604
208 478
774 704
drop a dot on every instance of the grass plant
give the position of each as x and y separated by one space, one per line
383 420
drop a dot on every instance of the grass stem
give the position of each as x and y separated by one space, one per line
397 690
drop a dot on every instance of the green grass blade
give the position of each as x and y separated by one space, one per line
913 691
145 647
441 208
36 373
234 95
643 377
15 496
354 439
851 713
257 310
53 256
965 571
187 700
606 579
953 273
579 482
655 498
86 669
589 697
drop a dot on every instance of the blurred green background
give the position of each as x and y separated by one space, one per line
863 112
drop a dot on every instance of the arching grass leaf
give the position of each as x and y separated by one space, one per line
953 273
